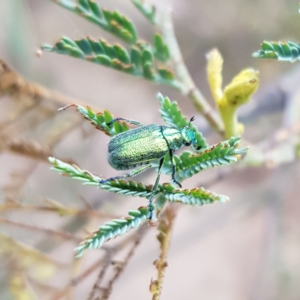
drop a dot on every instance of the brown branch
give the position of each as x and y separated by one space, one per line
55 208
60 234
30 148
78 279
136 237
13 189
102 272
12 83
120 266
164 237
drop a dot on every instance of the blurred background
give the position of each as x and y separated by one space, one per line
248 248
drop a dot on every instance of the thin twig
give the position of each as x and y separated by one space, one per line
56 208
190 89
102 272
19 179
120 266
61 234
30 148
14 84
136 237
78 279
164 237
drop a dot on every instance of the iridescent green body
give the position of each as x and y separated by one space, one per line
141 147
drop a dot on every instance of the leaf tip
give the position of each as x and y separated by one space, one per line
52 160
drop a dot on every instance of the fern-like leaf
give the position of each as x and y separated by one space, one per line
135 189
125 187
280 51
99 52
197 196
111 21
100 120
149 11
172 115
188 164
112 229
161 50
139 63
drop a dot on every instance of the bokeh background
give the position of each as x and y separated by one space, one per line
248 248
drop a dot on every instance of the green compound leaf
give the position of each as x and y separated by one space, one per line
139 62
125 187
111 21
148 63
99 52
100 120
172 115
161 50
166 74
287 52
149 11
189 164
197 196
128 188
112 229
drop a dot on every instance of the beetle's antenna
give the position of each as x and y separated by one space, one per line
191 120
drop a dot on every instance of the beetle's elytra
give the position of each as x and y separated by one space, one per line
144 145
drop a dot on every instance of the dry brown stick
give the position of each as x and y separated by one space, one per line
75 281
30 148
164 237
37 150
12 83
14 188
56 208
102 272
60 234
120 266
78 279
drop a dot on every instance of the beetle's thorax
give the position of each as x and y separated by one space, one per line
173 137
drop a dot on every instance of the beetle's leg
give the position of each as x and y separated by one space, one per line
131 174
126 120
150 206
173 168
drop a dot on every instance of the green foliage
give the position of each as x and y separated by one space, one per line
224 153
171 114
111 21
281 51
287 52
112 229
100 120
197 196
149 11
161 50
132 188
187 165
138 59
125 187
140 62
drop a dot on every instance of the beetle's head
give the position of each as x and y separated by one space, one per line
189 136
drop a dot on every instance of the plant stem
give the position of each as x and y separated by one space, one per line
229 117
189 87
164 237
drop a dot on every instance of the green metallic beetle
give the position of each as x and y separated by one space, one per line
142 146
